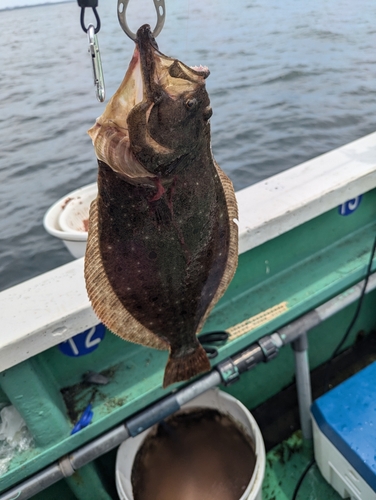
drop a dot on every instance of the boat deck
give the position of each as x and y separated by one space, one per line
286 461
284 466
287 453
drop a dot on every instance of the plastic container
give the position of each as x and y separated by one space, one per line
338 471
67 219
225 404
344 433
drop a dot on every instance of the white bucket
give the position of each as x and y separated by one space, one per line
67 219
214 399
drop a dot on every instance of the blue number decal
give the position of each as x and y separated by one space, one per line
350 206
83 343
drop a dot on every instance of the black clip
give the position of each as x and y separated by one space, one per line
90 4
209 338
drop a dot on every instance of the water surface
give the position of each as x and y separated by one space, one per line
289 80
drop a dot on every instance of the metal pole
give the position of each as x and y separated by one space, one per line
303 384
96 448
35 484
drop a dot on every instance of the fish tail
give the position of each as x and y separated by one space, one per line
187 366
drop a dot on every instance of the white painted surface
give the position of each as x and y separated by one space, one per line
43 312
286 200
53 307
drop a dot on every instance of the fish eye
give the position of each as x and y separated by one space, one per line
191 103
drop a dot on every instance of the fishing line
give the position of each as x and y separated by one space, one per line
355 317
360 301
301 479
186 32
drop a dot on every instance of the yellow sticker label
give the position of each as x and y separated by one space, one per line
256 321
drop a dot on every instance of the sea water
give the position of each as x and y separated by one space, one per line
289 80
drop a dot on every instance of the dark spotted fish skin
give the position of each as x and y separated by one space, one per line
167 260
163 249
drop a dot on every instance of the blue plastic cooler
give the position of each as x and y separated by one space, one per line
344 424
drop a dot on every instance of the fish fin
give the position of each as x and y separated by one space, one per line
103 299
183 368
232 258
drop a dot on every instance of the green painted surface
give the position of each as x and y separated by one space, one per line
33 392
4 400
265 380
97 480
304 267
284 466
86 484
58 491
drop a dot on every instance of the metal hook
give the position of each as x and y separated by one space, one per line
97 63
161 14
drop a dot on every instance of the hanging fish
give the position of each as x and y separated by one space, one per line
163 240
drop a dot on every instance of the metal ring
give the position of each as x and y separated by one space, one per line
161 14
82 20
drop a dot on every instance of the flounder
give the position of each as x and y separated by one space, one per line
163 240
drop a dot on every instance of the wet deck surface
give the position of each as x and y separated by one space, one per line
284 466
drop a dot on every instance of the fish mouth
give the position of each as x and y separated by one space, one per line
161 73
123 136
149 74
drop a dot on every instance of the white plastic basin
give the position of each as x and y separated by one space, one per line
67 219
